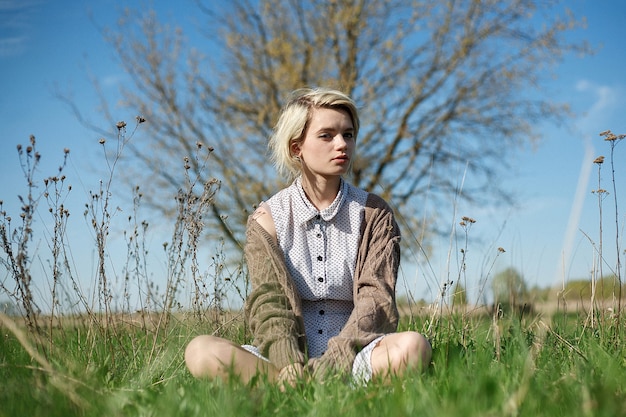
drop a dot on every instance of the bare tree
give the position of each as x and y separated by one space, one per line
440 85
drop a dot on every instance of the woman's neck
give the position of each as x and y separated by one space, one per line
321 191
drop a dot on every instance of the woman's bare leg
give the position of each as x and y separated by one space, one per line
398 352
214 357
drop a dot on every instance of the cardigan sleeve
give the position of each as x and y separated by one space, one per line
375 312
272 309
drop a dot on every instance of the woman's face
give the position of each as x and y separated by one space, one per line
328 143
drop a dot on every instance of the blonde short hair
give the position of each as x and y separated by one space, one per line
295 118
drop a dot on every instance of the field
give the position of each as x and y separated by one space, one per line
107 360
482 366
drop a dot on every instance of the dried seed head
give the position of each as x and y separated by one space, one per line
102 141
501 249
140 119
611 137
121 125
468 219
599 160
66 151
19 147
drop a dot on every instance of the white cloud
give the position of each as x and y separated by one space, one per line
111 80
17 5
12 46
16 21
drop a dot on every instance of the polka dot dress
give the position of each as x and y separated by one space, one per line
320 249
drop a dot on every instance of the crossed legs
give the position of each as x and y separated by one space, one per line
210 356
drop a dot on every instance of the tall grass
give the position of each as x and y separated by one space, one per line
120 351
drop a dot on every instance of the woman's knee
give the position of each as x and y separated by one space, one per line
417 349
205 355
401 351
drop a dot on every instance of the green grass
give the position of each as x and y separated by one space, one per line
519 370
109 363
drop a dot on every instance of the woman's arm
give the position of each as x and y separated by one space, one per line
273 307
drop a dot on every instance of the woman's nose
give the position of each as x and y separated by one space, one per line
342 143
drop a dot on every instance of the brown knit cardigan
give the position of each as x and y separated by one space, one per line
273 308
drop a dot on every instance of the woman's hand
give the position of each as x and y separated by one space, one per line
291 374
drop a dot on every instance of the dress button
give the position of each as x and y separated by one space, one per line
321 312
320 331
319 235
319 258
318 217
320 279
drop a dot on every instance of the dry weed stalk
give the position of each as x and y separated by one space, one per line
106 319
601 194
136 267
56 193
438 304
99 214
194 201
15 242
597 271
613 140
16 245
466 224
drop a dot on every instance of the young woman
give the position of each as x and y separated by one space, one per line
323 260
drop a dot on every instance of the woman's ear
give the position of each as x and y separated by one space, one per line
295 149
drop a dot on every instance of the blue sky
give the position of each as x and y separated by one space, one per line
51 46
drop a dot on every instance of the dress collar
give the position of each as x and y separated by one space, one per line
306 211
